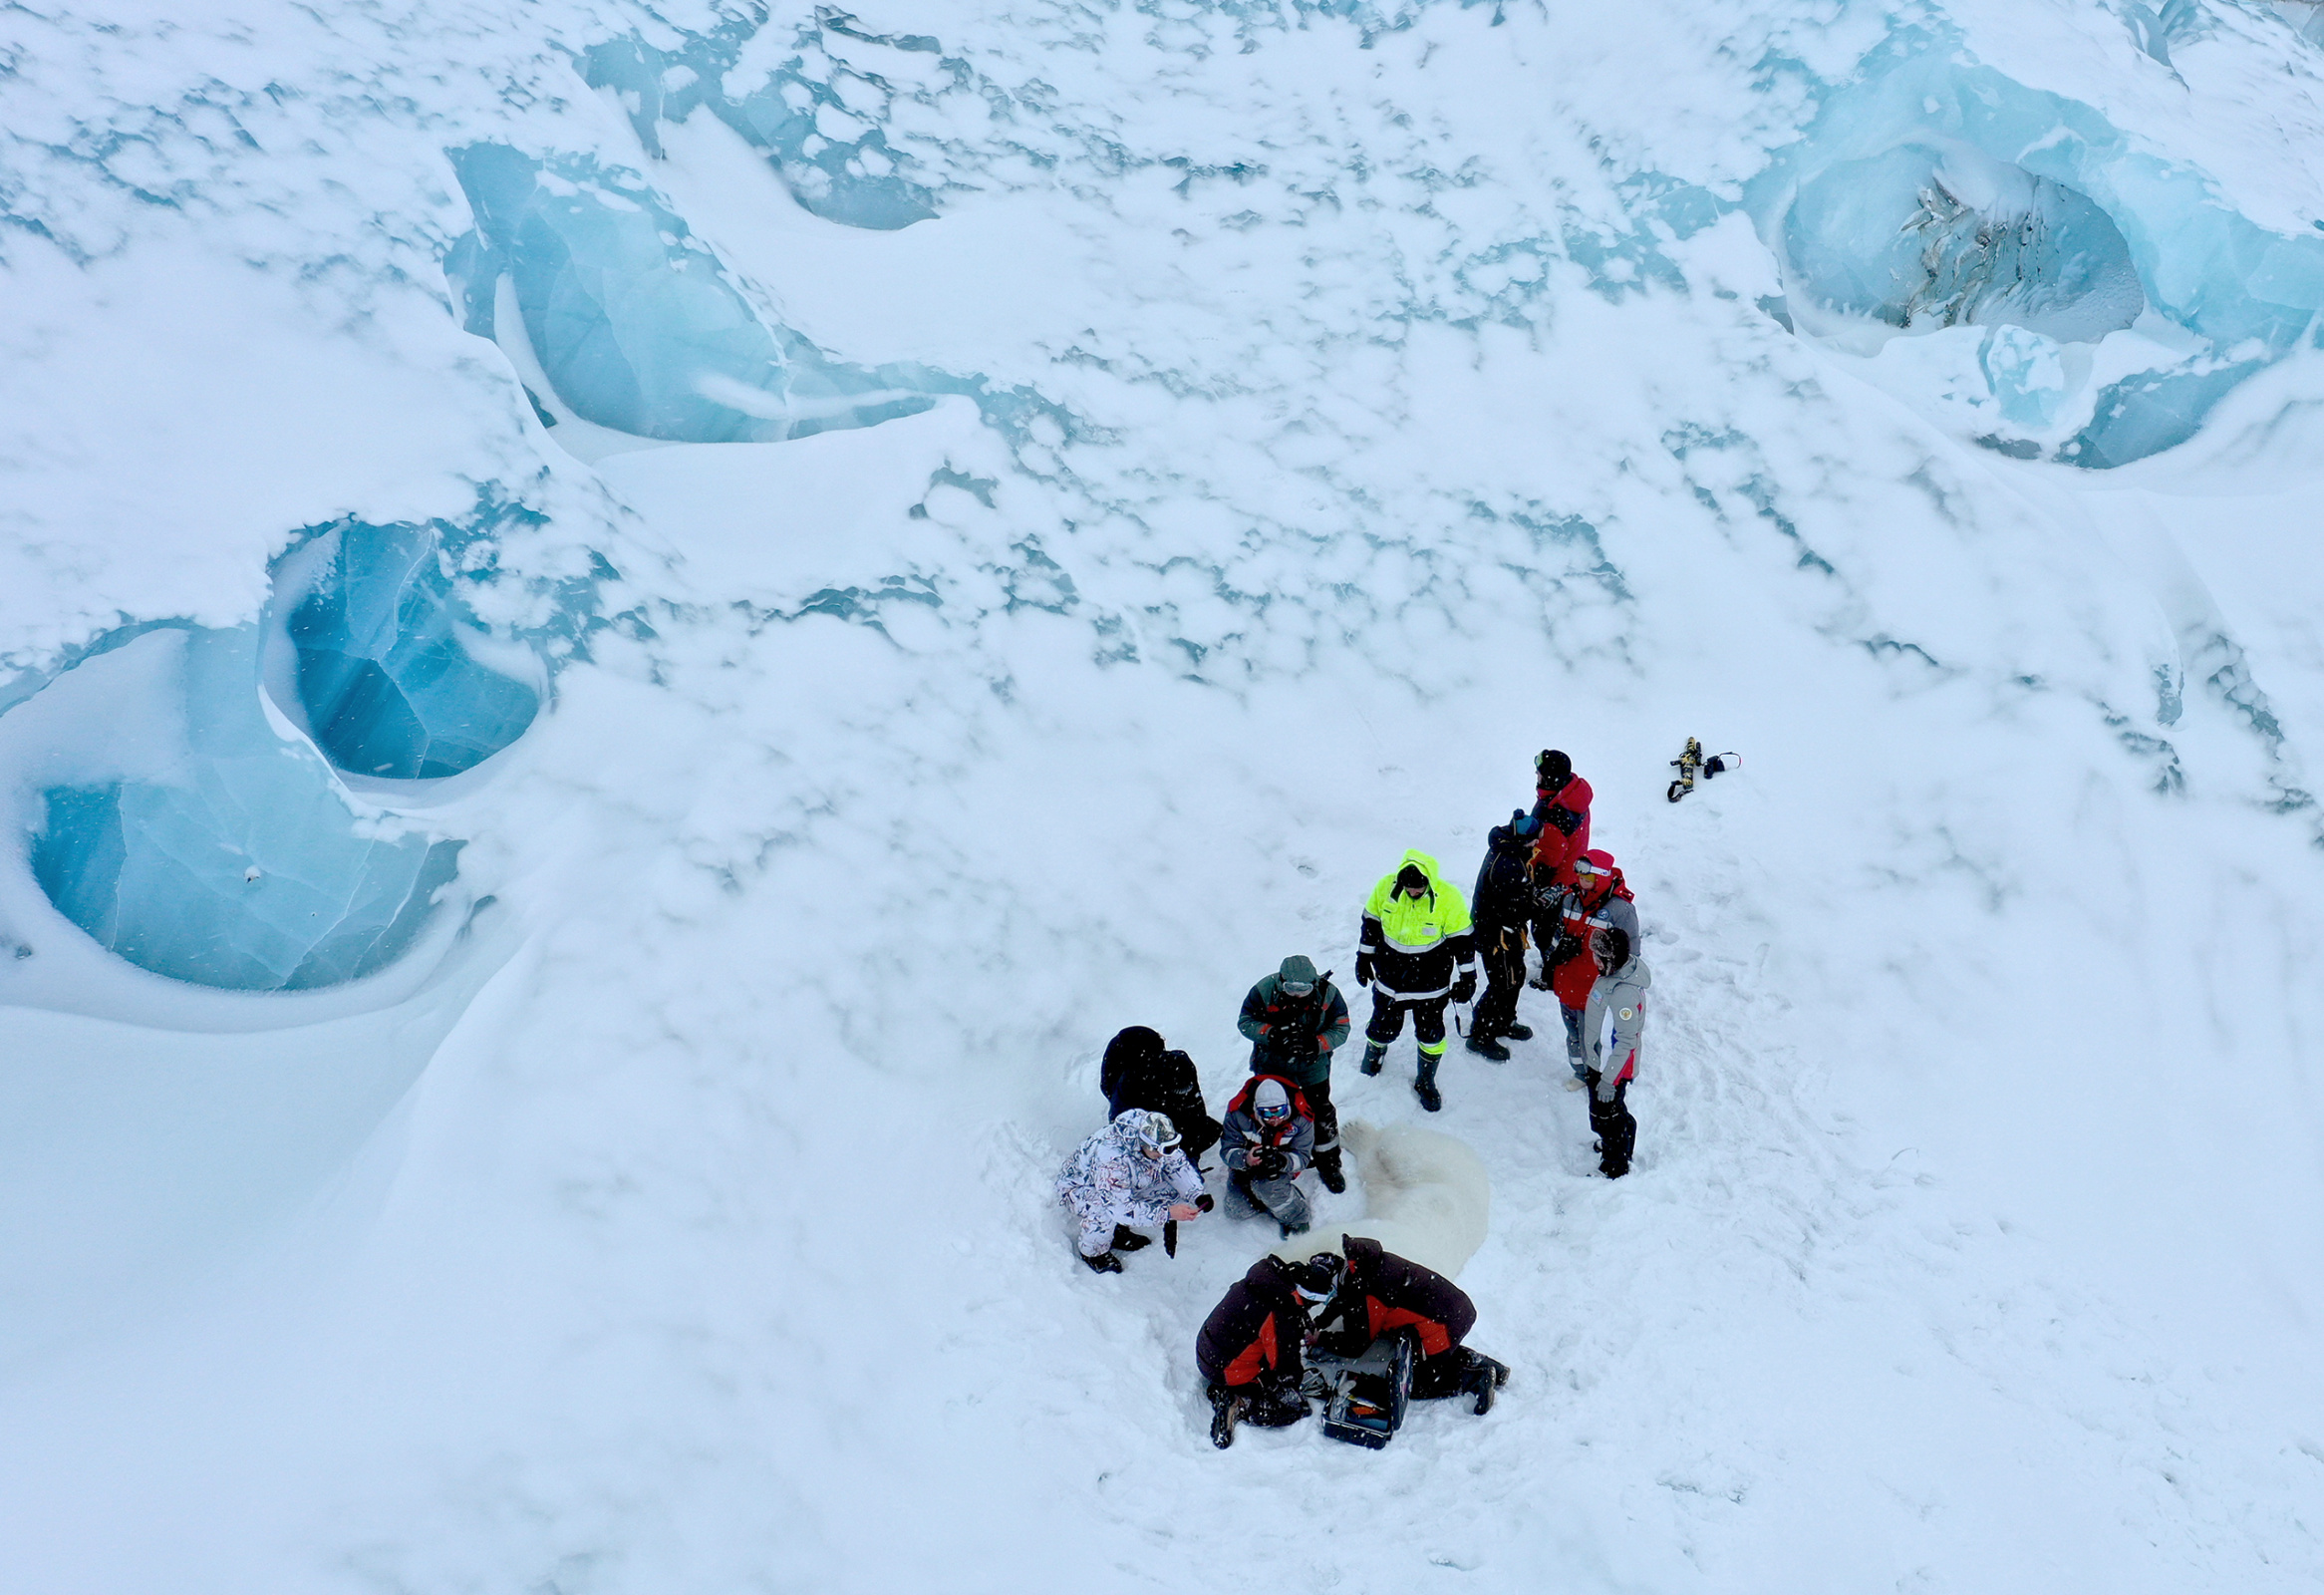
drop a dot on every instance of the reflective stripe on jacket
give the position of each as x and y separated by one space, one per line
1415 942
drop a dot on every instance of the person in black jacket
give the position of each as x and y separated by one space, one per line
1502 908
1378 1293
1251 1349
1140 1072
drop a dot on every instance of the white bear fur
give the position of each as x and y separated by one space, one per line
1426 1198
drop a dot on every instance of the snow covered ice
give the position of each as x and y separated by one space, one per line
630 628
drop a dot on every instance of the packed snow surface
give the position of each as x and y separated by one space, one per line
629 631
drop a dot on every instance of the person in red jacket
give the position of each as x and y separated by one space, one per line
1562 805
1379 1293
1251 1349
1597 900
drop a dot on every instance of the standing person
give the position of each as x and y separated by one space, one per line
1295 1019
1562 805
1128 1176
1268 1142
1502 906
1599 899
1419 953
1618 997
1140 1072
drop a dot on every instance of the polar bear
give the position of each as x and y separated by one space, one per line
1426 1198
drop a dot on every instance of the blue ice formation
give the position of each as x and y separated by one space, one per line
834 157
387 682
247 868
2027 373
634 322
1926 234
1931 190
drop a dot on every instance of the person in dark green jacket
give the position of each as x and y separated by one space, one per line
1294 1019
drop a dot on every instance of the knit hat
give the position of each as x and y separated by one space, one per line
1297 977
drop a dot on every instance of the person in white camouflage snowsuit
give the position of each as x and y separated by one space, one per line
1130 1175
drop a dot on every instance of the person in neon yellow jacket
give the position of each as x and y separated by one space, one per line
1419 952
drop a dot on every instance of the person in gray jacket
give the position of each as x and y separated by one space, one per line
1618 997
1268 1142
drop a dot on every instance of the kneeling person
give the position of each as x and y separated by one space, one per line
1269 1140
1249 1348
1379 1293
1128 1176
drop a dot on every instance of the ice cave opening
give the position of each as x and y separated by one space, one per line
1931 234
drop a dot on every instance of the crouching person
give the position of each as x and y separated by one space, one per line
1269 1140
1141 1071
1130 1175
1250 1349
1379 1293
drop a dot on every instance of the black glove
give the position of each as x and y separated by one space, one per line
1465 988
1363 969
1266 1163
1568 949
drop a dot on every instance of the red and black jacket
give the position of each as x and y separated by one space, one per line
1565 817
1577 918
1390 1291
1257 1329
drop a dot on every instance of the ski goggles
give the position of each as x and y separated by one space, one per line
1584 870
1295 988
1275 1114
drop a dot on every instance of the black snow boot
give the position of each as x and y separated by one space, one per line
1102 1263
1274 1408
1328 1166
1373 1052
1517 1032
1126 1240
1480 1382
1483 1044
1424 1084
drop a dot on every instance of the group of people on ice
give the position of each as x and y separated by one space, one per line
1419 944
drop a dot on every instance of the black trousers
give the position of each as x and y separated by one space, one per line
1387 1022
1504 949
1617 1130
1326 1124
